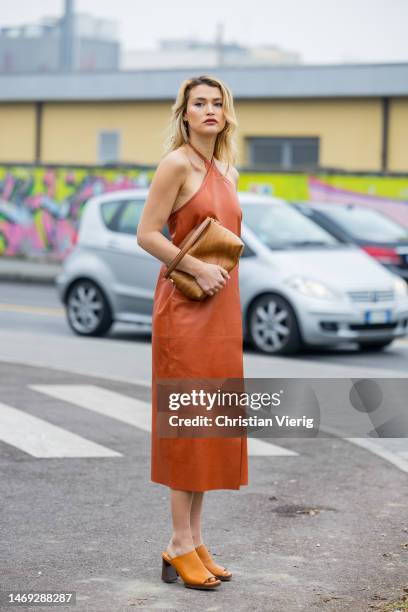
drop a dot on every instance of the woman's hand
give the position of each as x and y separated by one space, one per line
211 277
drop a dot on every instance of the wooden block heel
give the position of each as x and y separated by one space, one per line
190 569
169 573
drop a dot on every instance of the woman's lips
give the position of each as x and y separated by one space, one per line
211 121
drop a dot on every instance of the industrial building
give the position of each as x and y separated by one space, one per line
350 117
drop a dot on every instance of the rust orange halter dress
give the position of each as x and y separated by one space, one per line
193 339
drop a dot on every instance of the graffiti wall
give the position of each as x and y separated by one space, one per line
388 195
40 208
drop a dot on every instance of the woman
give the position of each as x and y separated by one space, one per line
191 339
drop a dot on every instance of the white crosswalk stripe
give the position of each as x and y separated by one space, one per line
103 401
259 448
39 438
133 411
44 440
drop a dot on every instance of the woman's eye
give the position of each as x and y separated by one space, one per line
201 103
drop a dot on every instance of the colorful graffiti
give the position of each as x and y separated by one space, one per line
388 195
40 208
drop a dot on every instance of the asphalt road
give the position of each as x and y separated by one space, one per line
321 526
318 528
36 309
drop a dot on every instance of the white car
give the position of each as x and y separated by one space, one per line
298 284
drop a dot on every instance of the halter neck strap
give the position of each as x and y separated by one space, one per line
208 161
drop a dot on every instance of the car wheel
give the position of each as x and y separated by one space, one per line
272 326
374 346
88 311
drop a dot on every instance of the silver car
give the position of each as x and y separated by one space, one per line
299 285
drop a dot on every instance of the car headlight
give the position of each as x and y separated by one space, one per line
400 288
313 288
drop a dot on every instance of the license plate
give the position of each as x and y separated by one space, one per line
377 316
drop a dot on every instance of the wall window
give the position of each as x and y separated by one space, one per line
109 147
283 153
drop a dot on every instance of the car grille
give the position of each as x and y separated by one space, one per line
371 296
372 326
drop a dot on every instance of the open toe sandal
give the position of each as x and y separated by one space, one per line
220 572
191 570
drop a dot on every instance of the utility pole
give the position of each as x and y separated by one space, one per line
66 57
219 44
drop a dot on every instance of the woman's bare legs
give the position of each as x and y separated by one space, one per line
183 511
195 523
195 517
181 540
186 509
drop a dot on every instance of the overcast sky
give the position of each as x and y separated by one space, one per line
323 31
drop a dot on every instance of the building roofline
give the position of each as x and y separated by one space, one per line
252 82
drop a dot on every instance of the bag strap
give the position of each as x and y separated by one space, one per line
189 243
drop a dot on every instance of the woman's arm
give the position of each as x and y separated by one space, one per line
167 181
170 175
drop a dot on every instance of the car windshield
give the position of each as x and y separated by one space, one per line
280 226
366 224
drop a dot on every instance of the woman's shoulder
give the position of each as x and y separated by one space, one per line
176 160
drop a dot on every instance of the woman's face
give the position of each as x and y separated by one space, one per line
205 113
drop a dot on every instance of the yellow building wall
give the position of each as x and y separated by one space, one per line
70 130
398 135
17 133
349 130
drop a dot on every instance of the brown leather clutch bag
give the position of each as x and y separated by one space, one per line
211 242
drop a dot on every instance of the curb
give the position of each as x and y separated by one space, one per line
26 278
28 271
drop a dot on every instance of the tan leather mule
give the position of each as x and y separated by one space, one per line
190 568
220 572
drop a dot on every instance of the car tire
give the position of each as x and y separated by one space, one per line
272 326
374 346
87 309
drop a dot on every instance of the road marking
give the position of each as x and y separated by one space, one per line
103 401
398 459
44 440
133 411
259 448
376 446
42 310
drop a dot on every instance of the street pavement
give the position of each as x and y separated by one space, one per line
321 526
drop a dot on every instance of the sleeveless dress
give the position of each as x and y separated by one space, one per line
192 339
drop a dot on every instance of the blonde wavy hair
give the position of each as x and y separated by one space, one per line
178 132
